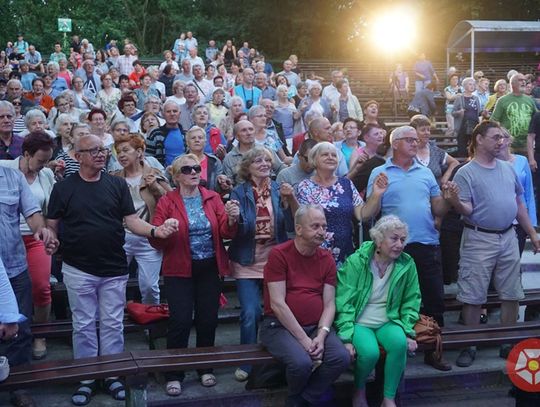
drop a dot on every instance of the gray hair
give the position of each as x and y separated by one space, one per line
398 132
303 211
253 110
62 117
118 122
236 99
151 69
54 65
467 80
32 114
195 129
386 224
152 98
200 106
14 81
170 102
281 87
318 149
177 83
4 104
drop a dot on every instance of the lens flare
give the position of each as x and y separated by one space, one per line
394 31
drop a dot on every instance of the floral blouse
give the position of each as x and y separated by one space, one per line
338 202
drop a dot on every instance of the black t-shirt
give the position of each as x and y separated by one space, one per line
534 128
92 214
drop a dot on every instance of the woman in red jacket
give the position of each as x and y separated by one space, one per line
194 260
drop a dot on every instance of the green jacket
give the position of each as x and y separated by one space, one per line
354 285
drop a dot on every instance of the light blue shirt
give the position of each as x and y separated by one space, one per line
9 311
408 196
523 171
15 198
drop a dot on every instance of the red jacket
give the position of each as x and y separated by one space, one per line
176 249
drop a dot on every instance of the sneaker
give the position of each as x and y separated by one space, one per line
466 357
241 375
4 368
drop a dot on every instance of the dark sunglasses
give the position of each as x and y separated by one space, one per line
188 169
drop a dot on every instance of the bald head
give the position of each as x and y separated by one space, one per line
87 141
319 128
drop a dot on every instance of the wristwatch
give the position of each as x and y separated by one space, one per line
325 328
153 232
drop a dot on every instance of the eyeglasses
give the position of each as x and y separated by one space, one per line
94 152
409 140
188 169
16 103
498 137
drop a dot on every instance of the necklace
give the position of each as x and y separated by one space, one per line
381 267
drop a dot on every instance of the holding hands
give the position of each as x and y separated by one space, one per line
224 182
450 192
232 209
169 227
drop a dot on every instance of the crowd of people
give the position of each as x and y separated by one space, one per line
343 230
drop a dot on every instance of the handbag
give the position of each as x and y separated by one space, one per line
146 314
428 331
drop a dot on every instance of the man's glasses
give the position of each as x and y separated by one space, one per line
188 169
94 152
409 140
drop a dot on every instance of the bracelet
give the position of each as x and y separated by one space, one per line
325 328
153 232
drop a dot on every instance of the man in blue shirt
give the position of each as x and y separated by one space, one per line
167 142
249 93
211 51
16 198
33 57
415 197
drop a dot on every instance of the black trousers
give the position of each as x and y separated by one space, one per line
199 293
428 264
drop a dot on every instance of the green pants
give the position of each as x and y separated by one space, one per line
366 342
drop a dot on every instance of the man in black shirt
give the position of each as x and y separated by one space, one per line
92 206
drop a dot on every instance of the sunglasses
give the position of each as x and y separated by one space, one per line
188 169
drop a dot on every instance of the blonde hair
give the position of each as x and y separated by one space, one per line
180 161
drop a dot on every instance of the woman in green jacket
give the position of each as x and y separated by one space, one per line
377 303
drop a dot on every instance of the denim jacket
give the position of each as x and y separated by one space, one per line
242 248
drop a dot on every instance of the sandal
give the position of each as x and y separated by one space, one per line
115 387
173 388
83 394
208 380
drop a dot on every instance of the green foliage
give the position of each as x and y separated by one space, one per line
309 28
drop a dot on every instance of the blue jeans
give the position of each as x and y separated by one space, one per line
19 350
249 294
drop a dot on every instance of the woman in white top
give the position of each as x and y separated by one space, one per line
108 97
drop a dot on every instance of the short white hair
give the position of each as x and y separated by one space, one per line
32 114
398 132
386 224
318 149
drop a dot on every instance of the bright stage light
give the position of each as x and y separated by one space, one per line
394 31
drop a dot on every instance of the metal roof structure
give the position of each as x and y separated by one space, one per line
473 36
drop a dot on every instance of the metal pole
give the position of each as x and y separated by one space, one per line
472 53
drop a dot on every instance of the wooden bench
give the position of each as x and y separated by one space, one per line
71 370
136 365
532 297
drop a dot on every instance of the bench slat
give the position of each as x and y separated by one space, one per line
71 370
